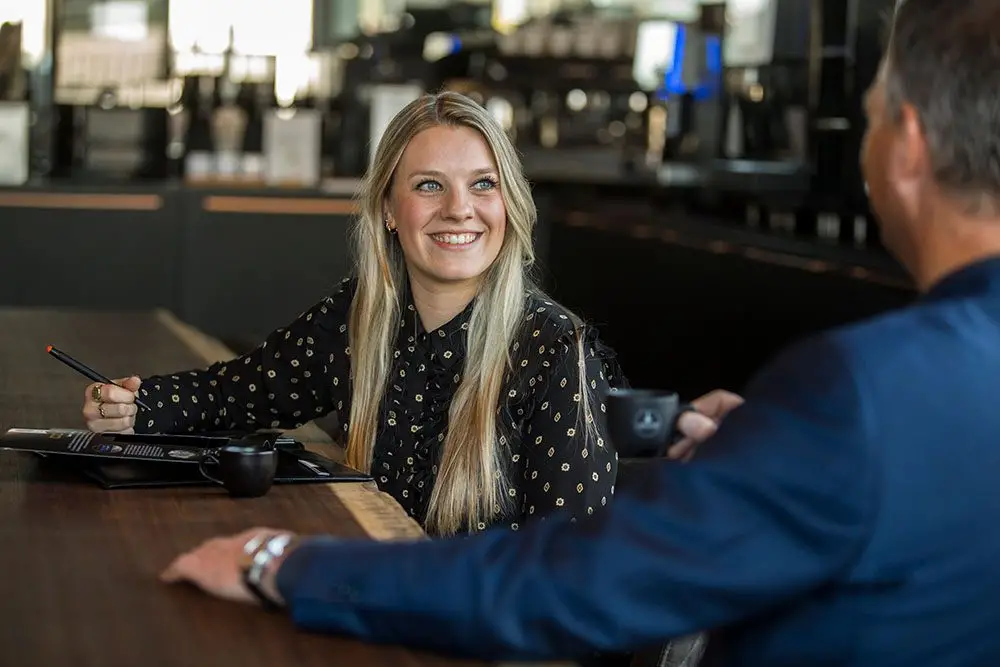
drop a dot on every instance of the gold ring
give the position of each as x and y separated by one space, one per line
95 393
100 411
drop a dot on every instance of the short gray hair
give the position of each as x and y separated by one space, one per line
944 60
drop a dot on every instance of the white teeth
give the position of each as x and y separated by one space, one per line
454 239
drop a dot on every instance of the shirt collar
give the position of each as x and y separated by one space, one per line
980 277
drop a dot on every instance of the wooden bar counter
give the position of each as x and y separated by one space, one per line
79 564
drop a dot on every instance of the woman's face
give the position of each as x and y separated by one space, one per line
445 204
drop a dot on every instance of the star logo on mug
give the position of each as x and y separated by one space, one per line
647 424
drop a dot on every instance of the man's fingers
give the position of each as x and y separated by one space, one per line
717 403
696 426
176 570
681 449
696 429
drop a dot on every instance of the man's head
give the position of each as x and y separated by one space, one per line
931 155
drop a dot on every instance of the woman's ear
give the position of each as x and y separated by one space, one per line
386 207
387 219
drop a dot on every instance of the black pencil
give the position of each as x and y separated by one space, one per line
87 371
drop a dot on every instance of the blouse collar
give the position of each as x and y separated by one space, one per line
459 323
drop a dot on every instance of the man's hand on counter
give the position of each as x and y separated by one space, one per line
217 566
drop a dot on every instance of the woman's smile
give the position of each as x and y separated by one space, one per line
456 240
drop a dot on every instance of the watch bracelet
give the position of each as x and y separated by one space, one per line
261 555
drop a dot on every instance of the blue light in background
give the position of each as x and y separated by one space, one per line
673 83
713 56
713 63
672 78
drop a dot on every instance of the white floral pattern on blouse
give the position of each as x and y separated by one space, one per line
302 372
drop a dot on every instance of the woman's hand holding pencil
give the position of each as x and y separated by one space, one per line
111 408
108 405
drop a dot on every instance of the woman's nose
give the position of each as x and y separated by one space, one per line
458 205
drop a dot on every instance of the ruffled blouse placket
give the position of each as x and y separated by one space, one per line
426 371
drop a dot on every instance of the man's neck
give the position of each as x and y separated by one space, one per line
952 245
439 303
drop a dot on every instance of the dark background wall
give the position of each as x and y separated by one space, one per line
691 318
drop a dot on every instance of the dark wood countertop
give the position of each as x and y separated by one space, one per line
86 560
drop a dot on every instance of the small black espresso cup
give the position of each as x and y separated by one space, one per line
642 422
246 470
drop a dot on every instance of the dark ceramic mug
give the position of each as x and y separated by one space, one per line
245 470
642 423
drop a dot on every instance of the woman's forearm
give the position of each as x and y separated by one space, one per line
288 380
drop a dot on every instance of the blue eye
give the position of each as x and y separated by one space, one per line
487 183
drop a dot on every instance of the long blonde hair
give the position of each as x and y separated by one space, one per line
470 483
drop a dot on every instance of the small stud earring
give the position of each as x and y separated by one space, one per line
388 227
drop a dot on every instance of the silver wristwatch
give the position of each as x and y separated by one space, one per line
259 552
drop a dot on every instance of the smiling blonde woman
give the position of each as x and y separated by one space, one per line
471 396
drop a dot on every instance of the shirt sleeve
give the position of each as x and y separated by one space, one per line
300 372
566 469
780 503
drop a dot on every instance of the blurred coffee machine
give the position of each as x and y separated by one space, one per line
687 120
796 73
767 57
562 86
14 109
111 90
216 129
758 168
380 74
13 84
692 87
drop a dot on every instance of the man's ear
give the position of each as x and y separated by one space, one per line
910 159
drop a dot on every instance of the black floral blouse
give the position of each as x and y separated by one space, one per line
302 372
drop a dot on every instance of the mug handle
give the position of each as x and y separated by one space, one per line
209 457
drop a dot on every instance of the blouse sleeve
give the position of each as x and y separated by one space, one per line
299 373
565 470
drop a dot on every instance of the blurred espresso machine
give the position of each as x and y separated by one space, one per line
14 109
760 114
111 90
216 129
563 87
688 117
796 74
381 72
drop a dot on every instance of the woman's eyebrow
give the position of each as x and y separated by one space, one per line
440 174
